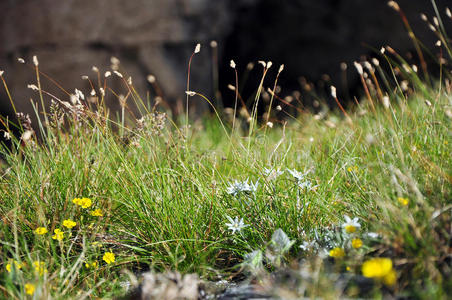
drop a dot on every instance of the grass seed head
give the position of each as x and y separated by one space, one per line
20 60
232 64
394 5
35 60
151 78
359 68
198 48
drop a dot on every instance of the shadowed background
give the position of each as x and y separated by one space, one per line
157 37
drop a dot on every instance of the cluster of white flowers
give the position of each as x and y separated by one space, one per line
237 187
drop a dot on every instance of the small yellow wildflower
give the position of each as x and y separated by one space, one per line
69 223
337 252
109 257
59 235
41 230
29 288
96 213
381 269
92 265
83 202
348 269
39 267
403 201
8 267
357 243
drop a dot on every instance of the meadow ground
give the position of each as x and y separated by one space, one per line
357 202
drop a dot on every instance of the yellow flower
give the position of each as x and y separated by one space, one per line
92 265
96 213
59 235
403 201
83 202
29 288
41 230
381 269
39 267
69 223
109 257
337 252
8 268
357 243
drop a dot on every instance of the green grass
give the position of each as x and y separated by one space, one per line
164 199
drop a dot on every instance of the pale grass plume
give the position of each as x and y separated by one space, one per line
84 77
232 64
376 62
448 12
33 87
118 74
281 68
213 44
424 17
107 74
198 48
35 60
359 68
151 78
394 5
2 72
333 92
190 93
21 60
95 69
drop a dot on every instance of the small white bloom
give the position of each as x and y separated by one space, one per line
235 224
237 187
306 185
350 225
272 173
297 175
373 235
198 48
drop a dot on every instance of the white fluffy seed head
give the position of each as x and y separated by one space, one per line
231 87
84 77
250 66
232 64
118 74
102 91
376 62
278 108
382 50
1 72
35 60
107 74
333 91
448 12
394 5
438 43
95 69
198 48
359 68
270 124
213 44
33 87
151 78
129 80
432 28
263 63
269 64
344 66
368 66
190 93
435 21
386 101
21 60
281 68
424 17
93 92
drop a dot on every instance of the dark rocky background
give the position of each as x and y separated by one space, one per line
311 37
